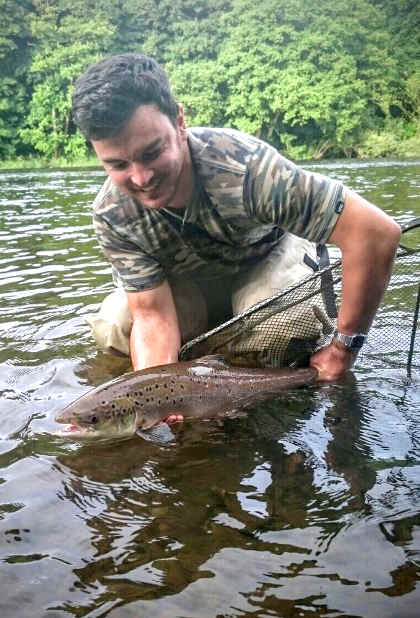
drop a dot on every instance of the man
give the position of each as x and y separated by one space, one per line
198 206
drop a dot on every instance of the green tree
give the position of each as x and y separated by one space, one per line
313 80
309 81
192 60
413 96
66 44
14 60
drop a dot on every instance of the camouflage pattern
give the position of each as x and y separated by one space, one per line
246 196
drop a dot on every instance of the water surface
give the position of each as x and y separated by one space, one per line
308 506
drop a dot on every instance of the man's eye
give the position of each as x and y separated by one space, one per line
150 156
119 166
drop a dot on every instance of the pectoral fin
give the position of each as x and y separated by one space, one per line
160 434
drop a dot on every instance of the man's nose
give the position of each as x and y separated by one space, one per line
140 175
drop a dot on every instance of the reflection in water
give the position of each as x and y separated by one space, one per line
170 517
306 506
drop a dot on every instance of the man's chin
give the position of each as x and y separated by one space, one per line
151 201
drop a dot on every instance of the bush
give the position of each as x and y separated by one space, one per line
411 147
397 139
377 145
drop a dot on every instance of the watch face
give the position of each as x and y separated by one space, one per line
357 342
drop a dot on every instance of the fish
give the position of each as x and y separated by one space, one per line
203 388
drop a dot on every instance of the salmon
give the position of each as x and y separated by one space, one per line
204 388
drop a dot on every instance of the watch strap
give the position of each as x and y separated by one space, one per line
351 342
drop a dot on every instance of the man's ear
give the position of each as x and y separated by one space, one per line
180 119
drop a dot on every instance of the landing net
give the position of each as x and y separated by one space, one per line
285 329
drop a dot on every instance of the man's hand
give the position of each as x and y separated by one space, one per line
332 361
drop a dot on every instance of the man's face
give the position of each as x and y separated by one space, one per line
149 159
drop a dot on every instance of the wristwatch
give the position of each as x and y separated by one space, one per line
351 342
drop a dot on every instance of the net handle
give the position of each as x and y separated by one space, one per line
410 226
406 228
413 334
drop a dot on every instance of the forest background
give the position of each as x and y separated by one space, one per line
330 78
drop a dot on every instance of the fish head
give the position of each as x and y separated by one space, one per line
91 417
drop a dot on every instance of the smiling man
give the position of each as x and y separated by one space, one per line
202 221
149 159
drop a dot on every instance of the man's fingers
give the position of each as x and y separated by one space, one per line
332 363
174 418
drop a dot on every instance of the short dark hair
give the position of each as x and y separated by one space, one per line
107 94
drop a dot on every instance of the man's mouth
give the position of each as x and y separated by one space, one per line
152 189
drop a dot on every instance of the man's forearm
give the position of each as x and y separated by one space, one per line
368 249
365 276
155 337
153 342
368 240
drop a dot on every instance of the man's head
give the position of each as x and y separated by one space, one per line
108 93
125 107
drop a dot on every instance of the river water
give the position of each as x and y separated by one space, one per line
307 506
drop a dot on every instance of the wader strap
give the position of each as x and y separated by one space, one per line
327 283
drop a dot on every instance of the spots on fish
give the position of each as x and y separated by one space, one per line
202 380
151 395
123 411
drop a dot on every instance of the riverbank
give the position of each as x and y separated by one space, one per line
377 145
28 163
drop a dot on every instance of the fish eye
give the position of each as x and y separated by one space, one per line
93 419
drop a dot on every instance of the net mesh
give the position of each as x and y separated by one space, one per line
287 328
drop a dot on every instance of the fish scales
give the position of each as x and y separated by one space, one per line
202 388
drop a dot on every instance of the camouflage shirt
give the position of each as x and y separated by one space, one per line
247 195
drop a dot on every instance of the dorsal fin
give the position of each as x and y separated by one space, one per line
212 360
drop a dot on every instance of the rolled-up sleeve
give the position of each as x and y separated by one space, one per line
304 203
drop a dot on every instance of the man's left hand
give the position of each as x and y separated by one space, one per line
332 362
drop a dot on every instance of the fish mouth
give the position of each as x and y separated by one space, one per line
73 430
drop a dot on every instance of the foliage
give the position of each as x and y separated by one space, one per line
332 80
195 85
309 81
65 46
31 162
398 139
412 100
14 58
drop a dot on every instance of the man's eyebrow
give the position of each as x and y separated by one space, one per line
152 145
139 153
111 160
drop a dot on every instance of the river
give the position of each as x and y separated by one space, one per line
307 506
